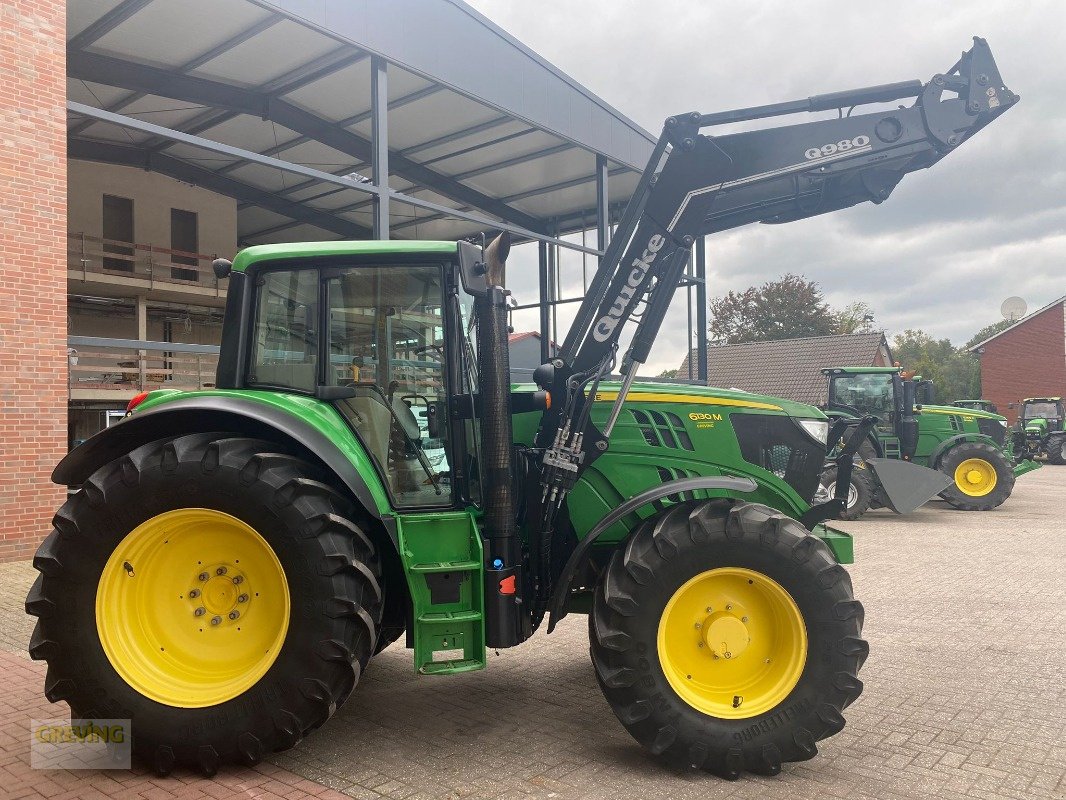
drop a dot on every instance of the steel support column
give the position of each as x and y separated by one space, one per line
379 140
545 322
602 222
701 308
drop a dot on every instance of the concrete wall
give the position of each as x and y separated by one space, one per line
153 196
33 275
1029 360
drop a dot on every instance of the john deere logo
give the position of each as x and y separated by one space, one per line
696 417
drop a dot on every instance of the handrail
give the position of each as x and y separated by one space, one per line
141 344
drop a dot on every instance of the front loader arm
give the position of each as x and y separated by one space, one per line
708 184
696 184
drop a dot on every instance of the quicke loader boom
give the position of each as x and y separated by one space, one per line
696 184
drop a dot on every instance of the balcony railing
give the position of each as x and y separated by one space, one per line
126 365
92 255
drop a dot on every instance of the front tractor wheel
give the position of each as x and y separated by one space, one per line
726 637
214 591
861 490
982 477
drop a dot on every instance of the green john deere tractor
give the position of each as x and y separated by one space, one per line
1041 429
364 470
969 448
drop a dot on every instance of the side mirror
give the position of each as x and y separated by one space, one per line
436 414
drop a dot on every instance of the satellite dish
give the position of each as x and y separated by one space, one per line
1013 308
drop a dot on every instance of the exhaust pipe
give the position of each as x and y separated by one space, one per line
506 615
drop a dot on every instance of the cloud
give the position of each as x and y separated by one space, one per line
987 222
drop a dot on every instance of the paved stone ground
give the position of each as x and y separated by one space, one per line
965 689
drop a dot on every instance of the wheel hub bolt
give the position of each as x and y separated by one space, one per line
216 620
698 626
237 579
200 611
220 571
202 576
194 593
234 614
242 598
729 608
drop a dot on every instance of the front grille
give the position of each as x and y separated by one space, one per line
992 429
780 446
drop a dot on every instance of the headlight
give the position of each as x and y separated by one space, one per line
817 429
1002 422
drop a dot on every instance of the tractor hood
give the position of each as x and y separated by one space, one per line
963 412
708 395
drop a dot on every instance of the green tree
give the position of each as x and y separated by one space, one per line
668 373
786 308
855 317
956 374
988 331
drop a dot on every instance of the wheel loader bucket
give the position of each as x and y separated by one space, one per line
905 485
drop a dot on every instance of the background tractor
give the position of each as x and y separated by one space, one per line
235 557
968 448
1041 429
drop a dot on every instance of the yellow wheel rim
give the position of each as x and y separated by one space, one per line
975 477
732 643
192 608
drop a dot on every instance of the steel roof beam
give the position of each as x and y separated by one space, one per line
199 61
362 116
107 23
142 77
111 153
437 142
486 222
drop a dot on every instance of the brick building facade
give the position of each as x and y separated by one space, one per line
33 179
1027 359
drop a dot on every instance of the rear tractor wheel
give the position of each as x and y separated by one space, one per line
726 637
982 477
212 590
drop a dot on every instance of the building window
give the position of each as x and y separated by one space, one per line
185 240
118 233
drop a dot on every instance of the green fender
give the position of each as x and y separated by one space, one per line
967 438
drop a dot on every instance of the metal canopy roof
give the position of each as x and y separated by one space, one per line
477 122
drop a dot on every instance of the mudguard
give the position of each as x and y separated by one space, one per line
905 485
197 414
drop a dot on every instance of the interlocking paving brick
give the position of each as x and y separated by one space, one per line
965 692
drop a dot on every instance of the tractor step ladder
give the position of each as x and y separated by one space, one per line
443 559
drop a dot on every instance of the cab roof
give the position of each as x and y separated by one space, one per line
861 370
354 247
1042 400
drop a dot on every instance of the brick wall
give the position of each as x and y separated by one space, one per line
1026 361
33 365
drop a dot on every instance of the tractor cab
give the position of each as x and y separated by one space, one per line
880 392
1042 414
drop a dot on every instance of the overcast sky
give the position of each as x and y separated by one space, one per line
950 244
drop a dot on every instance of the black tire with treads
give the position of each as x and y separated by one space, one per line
985 452
662 554
864 489
331 567
1056 449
